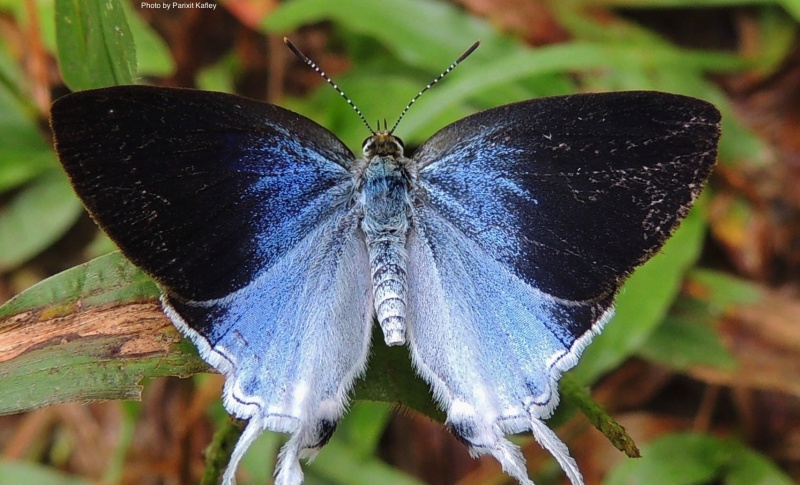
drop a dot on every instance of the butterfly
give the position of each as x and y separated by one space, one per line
494 252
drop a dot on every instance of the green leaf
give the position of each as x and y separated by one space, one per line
95 44
105 281
419 54
683 342
390 378
495 67
24 158
722 290
677 459
751 468
219 76
343 463
414 42
504 69
89 361
692 459
644 301
793 7
35 218
778 36
15 473
24 154
66 339
363 426
153 57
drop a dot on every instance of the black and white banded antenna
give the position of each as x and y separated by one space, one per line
436 80
313 65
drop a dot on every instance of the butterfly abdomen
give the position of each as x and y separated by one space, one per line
385 204
390 285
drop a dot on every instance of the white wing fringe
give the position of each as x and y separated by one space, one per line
252 431
510 456
287 471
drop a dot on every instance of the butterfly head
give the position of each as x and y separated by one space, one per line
383 143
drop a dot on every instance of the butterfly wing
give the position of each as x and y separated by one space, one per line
529 217
238 210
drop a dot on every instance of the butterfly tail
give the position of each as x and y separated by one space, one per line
486 436
550 442
253 430
483 437
288 470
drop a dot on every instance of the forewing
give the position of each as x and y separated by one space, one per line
238 210
528 219
572 192
202 190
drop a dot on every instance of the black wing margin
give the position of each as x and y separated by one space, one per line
202 190
572 192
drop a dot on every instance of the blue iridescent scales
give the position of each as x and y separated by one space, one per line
494 252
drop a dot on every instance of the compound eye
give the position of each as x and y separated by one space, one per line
367 144
400 143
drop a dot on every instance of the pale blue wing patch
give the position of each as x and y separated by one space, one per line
528 218
297 337
491 345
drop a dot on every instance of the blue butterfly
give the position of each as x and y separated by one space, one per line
494 252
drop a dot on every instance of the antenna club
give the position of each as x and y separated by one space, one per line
468 52
296 51
435 80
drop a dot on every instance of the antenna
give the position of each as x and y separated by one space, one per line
313 65
436 80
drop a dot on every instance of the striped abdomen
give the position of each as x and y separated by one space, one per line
385 203
389 284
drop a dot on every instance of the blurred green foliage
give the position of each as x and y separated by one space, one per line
393 53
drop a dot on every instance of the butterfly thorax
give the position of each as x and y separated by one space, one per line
385 186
